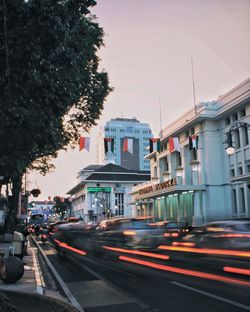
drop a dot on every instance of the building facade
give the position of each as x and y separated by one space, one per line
103 191
120 129
193 179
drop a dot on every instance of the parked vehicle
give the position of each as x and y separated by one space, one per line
229 234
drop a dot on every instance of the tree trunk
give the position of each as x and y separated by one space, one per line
13 201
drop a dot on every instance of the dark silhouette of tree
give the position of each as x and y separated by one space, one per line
50 83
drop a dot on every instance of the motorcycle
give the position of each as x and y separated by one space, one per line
44 238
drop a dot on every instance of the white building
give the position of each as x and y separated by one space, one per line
104 191
120 129
203 184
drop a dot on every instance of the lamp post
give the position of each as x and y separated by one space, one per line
235 126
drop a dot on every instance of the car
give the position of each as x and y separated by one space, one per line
228 234
131 233
73 237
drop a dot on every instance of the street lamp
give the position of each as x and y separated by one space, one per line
235 126
230 150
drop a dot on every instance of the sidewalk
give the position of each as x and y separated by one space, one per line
32 281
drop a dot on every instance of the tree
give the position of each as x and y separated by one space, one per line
50 82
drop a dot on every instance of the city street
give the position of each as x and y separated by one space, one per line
124 156
108 284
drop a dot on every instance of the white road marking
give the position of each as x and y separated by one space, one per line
237 304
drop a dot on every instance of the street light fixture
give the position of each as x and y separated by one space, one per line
230 150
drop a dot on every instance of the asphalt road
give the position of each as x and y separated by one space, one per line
110 284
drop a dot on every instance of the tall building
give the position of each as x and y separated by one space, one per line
124 132
202 171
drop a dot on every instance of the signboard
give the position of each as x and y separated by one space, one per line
129 129
157 187
99 189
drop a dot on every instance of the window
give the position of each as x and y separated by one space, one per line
178 159
242 113
242 201
187 134
248 168
192 131
227 121
232 173
234 201
245 138
166 164
236 135
119 204
155 172
240 172
122 130
234 117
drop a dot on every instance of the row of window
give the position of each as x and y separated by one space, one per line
239 171
235 116
188 133
239 206
128 130
177 160
240 137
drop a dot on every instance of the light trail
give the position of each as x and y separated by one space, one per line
138 252
193 273
66 246
224 252
236 270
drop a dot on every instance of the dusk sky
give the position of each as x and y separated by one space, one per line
148 46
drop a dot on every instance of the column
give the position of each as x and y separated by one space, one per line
197 217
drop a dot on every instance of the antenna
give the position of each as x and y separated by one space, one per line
192 67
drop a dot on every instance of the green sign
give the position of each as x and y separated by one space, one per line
99 189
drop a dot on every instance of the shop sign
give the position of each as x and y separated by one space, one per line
99 189
158 187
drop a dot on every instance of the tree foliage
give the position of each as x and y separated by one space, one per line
51 87
50 84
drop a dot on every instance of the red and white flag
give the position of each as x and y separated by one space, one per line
128 145
84 143
174 144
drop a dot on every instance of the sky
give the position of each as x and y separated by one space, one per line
147 54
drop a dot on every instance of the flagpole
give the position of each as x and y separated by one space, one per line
192 67
160 115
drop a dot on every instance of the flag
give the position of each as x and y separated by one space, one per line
154 145
128 145
193 142
109 145
84 143
174 144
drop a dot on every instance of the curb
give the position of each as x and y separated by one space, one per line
59 280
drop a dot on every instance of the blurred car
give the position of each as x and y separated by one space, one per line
229 234
135 233
73 237
172 229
